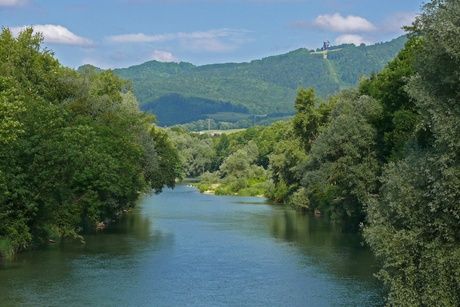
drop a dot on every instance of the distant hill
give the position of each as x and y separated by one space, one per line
261 86
88 68
174 109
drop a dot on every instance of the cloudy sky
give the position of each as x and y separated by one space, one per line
120 33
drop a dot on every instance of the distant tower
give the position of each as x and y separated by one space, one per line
326 46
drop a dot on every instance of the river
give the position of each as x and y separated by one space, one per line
182 248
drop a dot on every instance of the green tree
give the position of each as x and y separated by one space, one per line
307 120
342 165
75 149
397 125
11 106
196 152
414 222
285 170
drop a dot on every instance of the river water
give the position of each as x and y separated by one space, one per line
182 248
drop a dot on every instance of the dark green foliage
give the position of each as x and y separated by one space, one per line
414 230
75 149
306 121
173 109
285 159
169 166
310 116
414 223
399 119
351 63
222 149
229 121
262 86
342 166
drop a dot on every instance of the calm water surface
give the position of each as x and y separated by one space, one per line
181 248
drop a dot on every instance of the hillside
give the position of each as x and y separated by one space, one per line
191 109
261 86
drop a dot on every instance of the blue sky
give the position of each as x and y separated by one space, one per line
120 33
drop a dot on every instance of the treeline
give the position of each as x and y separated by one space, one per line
74 148
262 86
232 121
383 157
174 109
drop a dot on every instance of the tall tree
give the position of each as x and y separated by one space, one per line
342 164
414 224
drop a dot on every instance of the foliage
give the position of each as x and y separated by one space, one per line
285 159
342 166
414 221
262 86
173 109
195 151
11 106
75 149
309 117
237 175
399 115
235 163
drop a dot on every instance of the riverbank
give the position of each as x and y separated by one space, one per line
251 188
184 248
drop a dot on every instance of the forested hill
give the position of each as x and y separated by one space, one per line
263 86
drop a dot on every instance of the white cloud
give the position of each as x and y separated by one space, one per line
163 56
55 34
11 2
218 40
350 39
138 38
146 38
339 23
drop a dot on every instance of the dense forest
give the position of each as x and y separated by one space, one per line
75 151
263 86
382 158
239 95
234 95
175 109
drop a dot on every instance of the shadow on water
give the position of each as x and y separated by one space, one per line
326 244
36 276
184 248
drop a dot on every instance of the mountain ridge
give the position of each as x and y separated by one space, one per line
262 86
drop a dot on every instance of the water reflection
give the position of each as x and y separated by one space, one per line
46 275
324 243
182 248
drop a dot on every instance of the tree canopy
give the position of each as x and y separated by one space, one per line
74 148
